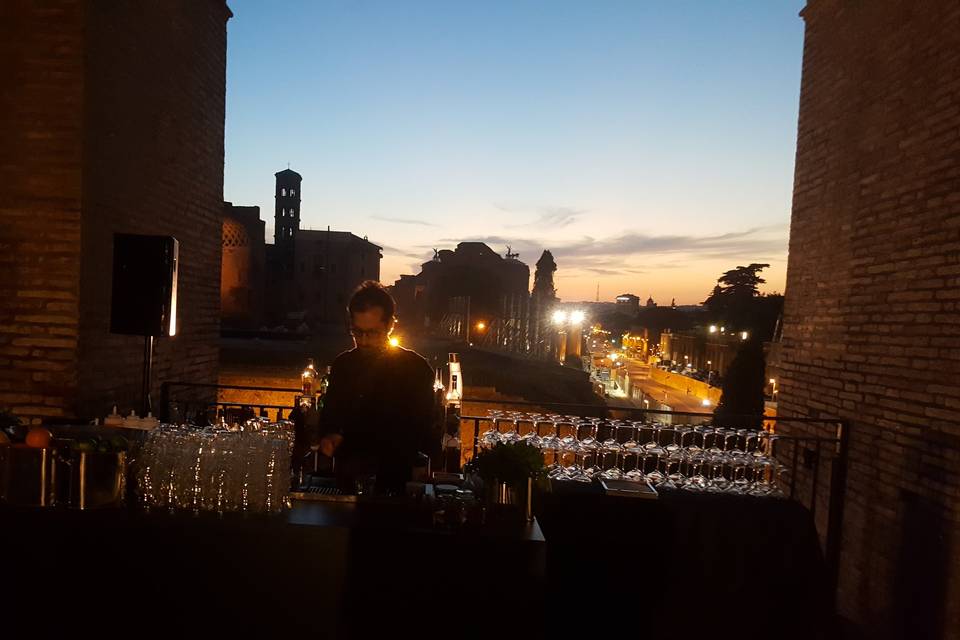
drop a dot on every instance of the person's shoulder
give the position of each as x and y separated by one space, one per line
345 358
413 360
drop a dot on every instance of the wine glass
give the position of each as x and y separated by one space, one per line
610 451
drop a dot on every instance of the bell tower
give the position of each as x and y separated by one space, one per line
286 216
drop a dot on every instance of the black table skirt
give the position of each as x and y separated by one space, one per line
317 572
685 566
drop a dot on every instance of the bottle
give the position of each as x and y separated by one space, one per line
323 386
308 383
451 441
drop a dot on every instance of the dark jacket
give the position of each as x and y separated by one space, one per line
382 404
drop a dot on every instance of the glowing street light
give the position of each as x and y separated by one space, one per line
394 341
744 335
577 317
481 326
713 328
705 402
559 316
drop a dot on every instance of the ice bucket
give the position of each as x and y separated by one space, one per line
97 479
28 476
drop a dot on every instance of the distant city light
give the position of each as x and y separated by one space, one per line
614 356
713 328
722 329
744 335
577 317
394 341
559 316
481 326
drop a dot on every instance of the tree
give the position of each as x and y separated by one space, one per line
743 388
733 300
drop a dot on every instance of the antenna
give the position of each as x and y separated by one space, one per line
598 292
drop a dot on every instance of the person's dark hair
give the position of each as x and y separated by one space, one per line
372 294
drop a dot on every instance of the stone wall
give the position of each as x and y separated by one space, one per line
871 322
117 126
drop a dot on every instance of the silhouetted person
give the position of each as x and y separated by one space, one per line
378 412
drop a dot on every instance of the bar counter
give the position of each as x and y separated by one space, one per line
684 565
321 569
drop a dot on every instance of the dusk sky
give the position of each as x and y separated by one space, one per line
649 145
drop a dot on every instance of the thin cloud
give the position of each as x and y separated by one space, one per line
404 253
758 242
414 221
755 241
554 217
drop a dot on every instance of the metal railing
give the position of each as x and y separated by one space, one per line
197 402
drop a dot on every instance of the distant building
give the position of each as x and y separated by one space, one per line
305 276
650 302
473 270
628 303
328 266
243 268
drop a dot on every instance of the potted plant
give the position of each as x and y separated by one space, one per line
508 472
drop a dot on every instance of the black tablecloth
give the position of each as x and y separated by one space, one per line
322 570
684 566
688 565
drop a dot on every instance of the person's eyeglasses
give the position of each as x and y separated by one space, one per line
369 333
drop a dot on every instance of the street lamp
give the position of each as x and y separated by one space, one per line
481 326
576 317
559 316
744 335
713 328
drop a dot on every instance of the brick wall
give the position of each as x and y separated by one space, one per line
871 323
41 129
118 122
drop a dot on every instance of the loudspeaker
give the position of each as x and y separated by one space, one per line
144 301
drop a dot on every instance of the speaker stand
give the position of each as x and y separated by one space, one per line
147 371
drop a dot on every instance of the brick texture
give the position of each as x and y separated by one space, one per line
871 320
115 120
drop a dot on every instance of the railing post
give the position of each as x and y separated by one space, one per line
164 413
838 491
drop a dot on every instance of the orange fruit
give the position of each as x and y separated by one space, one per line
39 438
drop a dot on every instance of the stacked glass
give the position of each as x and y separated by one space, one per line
693 458
246 468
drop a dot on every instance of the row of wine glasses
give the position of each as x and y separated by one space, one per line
216 469
693 457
